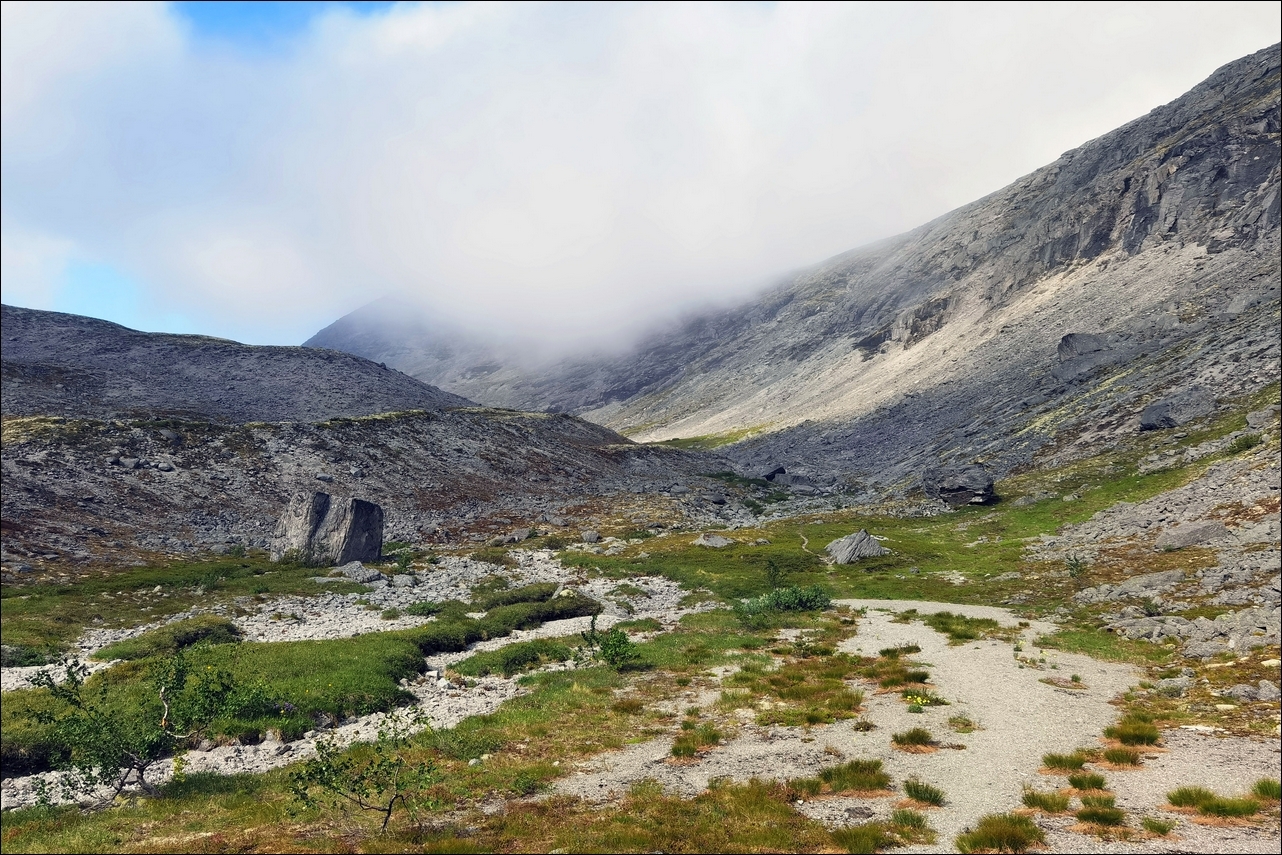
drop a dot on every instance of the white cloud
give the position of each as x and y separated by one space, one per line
577 171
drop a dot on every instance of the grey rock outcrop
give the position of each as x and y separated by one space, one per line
1080 344
852 547
1177 410
959 485
324 530
715 541
1191 534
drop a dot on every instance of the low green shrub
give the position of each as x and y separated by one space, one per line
1244 443
514 658
759 611
1001 832
536 593
170 638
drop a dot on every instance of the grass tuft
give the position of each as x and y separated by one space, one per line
1064 762
1087 781
1268 788
1189 796
1047 802
1122 756
1160 827
917 737
923 792
856 776
1001 832
1134 729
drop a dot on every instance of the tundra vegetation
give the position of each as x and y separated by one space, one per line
766 652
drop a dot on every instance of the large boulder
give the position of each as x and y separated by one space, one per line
852 547
959 485
324 530
1176 410
1078 344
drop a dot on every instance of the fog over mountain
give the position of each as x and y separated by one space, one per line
1153 239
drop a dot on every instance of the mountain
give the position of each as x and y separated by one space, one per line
1155 248
120 445
67 365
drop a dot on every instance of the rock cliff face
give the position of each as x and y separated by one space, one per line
1155 248
67 365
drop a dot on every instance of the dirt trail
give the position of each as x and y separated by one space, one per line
1022 719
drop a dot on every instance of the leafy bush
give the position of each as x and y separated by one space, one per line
109 744
923 792
169 639
613 645
1001 832
371 777
759 611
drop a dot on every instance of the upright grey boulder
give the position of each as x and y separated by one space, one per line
960 485
325 530
852 547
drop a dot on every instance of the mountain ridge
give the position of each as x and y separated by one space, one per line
1140 234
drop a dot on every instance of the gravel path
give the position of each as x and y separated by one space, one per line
1022 719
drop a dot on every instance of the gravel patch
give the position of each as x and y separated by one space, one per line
1021 718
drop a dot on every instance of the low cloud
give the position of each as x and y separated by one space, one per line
571 173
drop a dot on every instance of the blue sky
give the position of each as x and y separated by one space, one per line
572 173
262 25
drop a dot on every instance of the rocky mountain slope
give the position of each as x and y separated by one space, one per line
67 365
1156 246
120 445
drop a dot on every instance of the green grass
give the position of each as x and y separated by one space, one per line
1048 802
1160 827
1134 729
923 792
959 628
697 737
1087 781
514 658
1189 796
1122 756
1267 788
1107 646
47 617
169 639
1229 808
916 737
856 776
1001 832
1064 762
868 837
